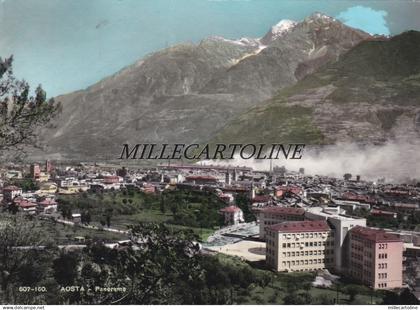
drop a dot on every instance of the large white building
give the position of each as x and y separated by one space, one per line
341 225
276 215
300 246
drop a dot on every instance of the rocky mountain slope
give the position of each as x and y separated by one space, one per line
370 95
188 92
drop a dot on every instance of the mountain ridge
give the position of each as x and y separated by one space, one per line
188 92
370 95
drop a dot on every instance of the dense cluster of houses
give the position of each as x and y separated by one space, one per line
308 222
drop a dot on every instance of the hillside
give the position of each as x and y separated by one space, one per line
187 93
370 95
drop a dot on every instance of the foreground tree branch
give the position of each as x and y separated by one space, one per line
20 112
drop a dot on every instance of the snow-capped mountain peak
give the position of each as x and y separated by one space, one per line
278 30
320 16
283 26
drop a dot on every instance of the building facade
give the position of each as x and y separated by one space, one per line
376 258
300 246
341 224
10 193
232 215
35 171
276 215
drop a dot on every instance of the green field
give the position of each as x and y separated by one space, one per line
65 234
177 209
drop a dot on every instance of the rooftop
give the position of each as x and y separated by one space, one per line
381 212
376 235
230 209
301 226
325 214
262 198
201 177
11 188
283 210
26 204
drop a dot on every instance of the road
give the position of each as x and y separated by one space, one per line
70 223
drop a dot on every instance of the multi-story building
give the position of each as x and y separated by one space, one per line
341 225
35 171
300 246
376 258
276 215
48 166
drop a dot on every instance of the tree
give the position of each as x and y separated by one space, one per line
244 203
353 290
325 299
85 217
26 184
65 208
65 268
159 268
21 113
347 176
25 256
162 204
298 299
108 220
391 298
407 298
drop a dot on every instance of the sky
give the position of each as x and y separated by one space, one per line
67 45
